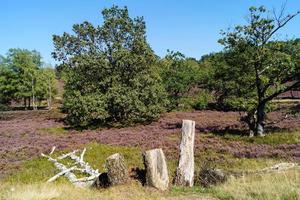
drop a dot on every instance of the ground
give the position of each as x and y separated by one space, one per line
24 135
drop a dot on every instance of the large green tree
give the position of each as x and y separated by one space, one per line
258 67
111 71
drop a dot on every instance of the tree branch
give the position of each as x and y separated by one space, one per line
280 24
275 94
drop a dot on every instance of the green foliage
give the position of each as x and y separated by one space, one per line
25 64
180 75
202 100
46 84
22 76
7 85
111 72
254 67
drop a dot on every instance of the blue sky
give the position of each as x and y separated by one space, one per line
189 26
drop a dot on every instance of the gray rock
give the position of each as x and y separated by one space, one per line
116 169
185 169
156 169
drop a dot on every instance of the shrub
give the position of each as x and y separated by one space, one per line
111 72
202 100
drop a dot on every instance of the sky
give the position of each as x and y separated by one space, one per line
189 26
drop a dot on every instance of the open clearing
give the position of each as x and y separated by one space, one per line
26 134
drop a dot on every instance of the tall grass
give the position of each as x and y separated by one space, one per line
270 186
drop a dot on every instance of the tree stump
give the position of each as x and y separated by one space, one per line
156 169
185 169
116 169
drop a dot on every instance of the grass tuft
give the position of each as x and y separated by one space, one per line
273 139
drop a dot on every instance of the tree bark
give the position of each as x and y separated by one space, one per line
185 169
156 169
260 117
116 169
25 106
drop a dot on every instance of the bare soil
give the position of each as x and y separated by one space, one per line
24 135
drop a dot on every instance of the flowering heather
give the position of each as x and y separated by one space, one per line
24 135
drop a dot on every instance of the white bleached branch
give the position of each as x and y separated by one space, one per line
67 172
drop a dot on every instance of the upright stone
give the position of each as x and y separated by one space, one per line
116 169
156 169
185 169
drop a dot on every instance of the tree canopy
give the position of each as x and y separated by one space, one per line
112 76
180 75
22 77
255 66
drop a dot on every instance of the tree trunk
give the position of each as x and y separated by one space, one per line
25 106
156 169
34 107
260 117
116 169
29 101
50 94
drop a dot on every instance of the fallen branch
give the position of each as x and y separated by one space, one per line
62 168
66 155
67 172
60 174
279 167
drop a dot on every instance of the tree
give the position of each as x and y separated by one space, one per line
179 75
22 77
7 84
111 71
258 66
25 64
46 85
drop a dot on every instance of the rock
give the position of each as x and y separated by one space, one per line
210 177
185 169
116 169
156 169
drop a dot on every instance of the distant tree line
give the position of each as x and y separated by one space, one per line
23 79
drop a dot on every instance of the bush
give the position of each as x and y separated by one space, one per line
180 75
116 85
3 107
202 100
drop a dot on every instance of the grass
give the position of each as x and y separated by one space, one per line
268 186
274 139
40 169
66 191
54 130
272 186
229 163
29 182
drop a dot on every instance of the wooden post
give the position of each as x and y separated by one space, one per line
185 169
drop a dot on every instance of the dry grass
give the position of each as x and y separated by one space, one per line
131 191
271 186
